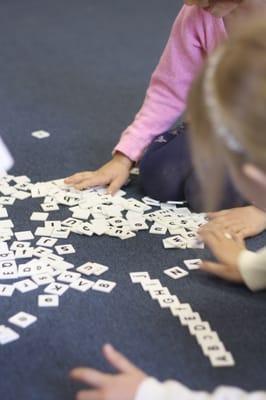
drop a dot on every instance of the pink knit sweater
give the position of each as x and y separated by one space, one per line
194 35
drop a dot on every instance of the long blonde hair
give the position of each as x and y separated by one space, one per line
227 109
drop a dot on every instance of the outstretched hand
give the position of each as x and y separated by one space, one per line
122 386
113 174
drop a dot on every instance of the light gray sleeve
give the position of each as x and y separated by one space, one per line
151 389
252 267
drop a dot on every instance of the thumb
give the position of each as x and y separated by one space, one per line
215 269
117 360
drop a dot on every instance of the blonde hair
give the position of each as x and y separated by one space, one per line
227 110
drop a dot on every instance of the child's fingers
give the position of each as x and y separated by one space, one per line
236 230
210 237
237 233
115 185
76 178
222 271
243 230
241 234
217 214
89 395
212 226
224 222
90 376
218 233
94 180
120 362
219 270
235 227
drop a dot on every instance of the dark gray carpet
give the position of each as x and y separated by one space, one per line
79 69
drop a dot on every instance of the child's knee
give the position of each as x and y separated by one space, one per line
158 182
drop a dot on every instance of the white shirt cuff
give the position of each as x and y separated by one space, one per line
252 266
151 389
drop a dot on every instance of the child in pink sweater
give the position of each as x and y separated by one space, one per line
166 171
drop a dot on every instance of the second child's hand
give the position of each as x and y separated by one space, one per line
245 221
226 248
113 174
120 386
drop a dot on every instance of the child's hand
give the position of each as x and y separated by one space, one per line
113 174
242 221
122 386
226 272
226 249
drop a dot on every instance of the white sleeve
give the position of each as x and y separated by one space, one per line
6 161
151 389
252 267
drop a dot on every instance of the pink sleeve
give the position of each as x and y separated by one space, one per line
166 96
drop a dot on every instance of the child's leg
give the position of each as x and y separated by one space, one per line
166 165
231 198
166 172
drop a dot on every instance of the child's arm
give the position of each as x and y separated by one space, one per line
194 34
130 383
